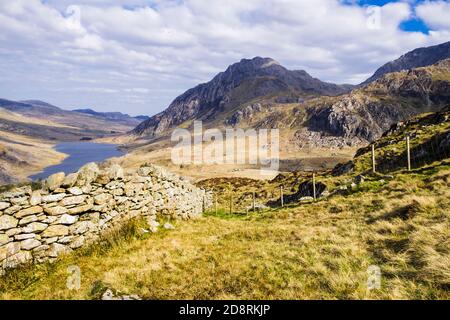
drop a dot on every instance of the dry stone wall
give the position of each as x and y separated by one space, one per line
74 210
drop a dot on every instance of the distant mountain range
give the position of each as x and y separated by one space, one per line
114 116
261 93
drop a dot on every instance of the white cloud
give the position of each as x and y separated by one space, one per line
436 14
166 47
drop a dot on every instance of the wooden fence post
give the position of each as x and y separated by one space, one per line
373 159
281 196
408 152
314 186
254 201
231 200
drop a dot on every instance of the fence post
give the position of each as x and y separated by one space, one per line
254 201
408 152
373 159
231 199
281 196
314 186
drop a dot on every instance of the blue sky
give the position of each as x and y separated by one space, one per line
136 56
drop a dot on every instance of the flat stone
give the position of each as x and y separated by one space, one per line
70 201
80 209
30 244
35 227
24 236
29 211
12 210
56 211
35 198
67 219
4 239
77 242
55 181
51 240
8 222
28 220
59 190
76 191
4 205
22 201
87 174
115 172
102 198
9 249
56 230
13 231
53 197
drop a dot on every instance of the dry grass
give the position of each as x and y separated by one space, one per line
315 251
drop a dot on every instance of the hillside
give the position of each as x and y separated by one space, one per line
29 129
118 117
421 57
396 221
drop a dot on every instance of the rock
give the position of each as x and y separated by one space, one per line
35 227
22 201
108 295
30 244
76 191
80 227
70 180
115 172
29 212
56 249
353 185
87 174
102 198
168 226
77 242
17 259
55 231
35 198
12 210
4 205
53 197
306 199
24 236
80 209
9 249
103 178
8 222
144 171
55 181
4 239
59 190
27 220
70 201
56 211
17 192
13 231
67 219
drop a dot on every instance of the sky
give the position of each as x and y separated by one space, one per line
136 56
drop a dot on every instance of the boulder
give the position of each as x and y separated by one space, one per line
4 205
87 174
76 191
30 244
35 198
115 172
55 181
70 180
17 259
68 219
8 250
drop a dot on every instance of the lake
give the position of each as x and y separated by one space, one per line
79 153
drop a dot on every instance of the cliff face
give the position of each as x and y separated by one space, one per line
366 113
239 84
417 58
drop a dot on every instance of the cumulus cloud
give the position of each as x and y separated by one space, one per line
161 48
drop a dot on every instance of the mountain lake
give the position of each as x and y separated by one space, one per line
79 153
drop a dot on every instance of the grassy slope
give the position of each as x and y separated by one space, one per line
319 250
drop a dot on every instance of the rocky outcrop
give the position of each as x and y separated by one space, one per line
75 210
417 58
241 83
365 114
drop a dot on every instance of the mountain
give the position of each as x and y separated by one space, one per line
114 116
76 124
421 57
241 83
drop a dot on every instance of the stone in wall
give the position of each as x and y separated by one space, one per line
71 211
